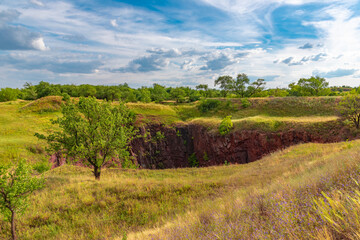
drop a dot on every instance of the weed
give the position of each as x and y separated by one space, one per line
192 160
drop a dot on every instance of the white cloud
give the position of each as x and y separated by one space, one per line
37 2
39 44
113 23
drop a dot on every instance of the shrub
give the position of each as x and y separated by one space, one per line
208 104
225 126
245 103
42 167
193 162
8 94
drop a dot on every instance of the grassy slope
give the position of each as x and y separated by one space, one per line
75 206
17 129
19 120
308 191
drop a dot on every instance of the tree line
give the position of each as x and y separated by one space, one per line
227 87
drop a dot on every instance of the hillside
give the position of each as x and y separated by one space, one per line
264 199
21 119
198 202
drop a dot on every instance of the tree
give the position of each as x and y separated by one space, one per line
226 84
44 89
158 93
29 92
178 94
92 131
313 86
16 184
256 87
9 94
225 126
350 108
240 84
203 89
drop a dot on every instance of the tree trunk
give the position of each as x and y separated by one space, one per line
13 230
97 171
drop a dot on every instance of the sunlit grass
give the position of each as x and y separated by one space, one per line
17 129
280 205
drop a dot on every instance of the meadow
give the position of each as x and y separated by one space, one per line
308 191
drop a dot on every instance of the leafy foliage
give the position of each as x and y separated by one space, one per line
208 105
92 131
313 86
245 103
350 108
16 184
225 126
8 94
193 161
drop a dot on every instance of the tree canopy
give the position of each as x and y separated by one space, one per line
92 131
16 184
350 108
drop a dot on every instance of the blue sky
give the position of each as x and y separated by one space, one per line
178 42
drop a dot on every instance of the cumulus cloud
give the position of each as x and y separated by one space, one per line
144 64
313 58
306 46
336 73
37 3
113 23
158 59
218 63
51 65
18 37
8 15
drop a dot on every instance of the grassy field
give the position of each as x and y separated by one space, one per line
307 191
17 129
261 200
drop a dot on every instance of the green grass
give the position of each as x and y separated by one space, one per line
141 202
17 129
192 203
304 192
19 120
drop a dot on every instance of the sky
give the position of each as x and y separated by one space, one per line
178 42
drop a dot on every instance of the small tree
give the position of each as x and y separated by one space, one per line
240 85
226 125
350 108
16 184
226 84
92 131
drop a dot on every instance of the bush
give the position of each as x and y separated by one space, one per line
225 126
8 94
193 162
208 104
42 167
245 103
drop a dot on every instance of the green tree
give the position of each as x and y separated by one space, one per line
8 94
350 108
44 89
29 92
203 89
225 126
240 84
87 90
256 88
178 94
92 131
16 184
143 95
313 86
226 83
158 93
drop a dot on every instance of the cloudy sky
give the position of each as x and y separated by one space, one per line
178 42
